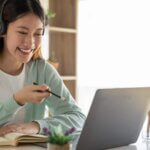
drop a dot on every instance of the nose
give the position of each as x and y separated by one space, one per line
29 42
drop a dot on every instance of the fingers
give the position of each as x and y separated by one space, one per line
32 93
41 96
32 128
41 88
7 129
41 92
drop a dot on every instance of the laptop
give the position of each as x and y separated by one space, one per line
115 118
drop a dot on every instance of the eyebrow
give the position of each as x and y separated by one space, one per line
23 27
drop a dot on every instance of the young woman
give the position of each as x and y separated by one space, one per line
22 104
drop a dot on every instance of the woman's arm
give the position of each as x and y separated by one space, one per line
7 109
27 128
66 113
28 94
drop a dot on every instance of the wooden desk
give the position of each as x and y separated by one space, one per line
134 147
137 146
23 147
140 145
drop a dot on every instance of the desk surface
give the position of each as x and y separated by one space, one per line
137 146
140 145
23 147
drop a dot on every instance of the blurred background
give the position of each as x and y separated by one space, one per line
99 44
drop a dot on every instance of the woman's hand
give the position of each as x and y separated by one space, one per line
32 93
27 128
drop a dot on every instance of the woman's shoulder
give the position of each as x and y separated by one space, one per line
42 67
40 64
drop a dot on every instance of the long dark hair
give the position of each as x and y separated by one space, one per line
14 9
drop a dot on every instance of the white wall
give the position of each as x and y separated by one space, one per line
113 45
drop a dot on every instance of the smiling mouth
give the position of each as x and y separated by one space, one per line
25 52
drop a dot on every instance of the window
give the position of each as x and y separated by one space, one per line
113 46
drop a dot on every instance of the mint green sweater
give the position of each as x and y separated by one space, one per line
65 113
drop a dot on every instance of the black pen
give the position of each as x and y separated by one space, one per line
62 98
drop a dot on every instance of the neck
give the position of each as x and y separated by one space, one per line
10 66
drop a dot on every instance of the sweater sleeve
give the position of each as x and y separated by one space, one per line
7 110
65 113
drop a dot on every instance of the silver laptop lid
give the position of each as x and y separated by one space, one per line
115 118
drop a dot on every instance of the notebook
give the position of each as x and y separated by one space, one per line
14 139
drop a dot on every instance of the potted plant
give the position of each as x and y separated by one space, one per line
53 60
49 14
57 139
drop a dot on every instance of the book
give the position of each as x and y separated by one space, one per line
14 139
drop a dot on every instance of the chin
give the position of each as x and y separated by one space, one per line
24 60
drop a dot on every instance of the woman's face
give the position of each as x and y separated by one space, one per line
23 37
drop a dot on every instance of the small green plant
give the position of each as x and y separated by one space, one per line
52 57
49 14
57 136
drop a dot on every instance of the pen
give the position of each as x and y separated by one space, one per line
61 97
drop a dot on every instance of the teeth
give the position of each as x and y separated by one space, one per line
25 51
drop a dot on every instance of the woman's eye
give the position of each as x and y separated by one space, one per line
22 32
38 34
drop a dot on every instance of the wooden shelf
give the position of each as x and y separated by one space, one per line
59 29
66 12
62 39
69 77
64 46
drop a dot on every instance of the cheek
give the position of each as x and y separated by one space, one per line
12 42
11 45
38 42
